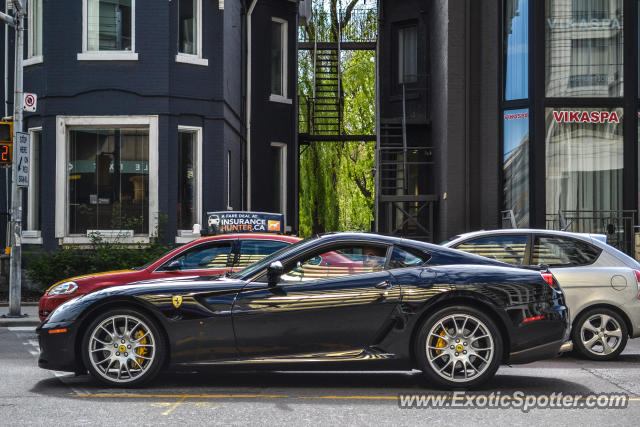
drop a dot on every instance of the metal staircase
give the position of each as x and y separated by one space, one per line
326 117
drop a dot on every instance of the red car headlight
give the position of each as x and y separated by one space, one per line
65 288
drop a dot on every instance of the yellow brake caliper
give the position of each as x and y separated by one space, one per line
441 343
142 351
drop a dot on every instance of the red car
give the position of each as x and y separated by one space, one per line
206 256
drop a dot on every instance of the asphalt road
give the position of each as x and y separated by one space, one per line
32 396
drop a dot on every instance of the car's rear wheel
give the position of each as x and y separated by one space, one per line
123 348
458 347
599 334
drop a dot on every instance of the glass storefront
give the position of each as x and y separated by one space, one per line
584 159
515 165
108 180
516 49
584 48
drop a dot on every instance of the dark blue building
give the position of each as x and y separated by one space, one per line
156 109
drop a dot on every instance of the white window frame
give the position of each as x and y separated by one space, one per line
66 123
107 55
31 235
31 59
197 59
283 182
285 43
185 236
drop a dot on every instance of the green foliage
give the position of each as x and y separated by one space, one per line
46 268
336 179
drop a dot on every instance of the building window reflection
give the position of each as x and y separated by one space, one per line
516 49
584 42
584 159
515 164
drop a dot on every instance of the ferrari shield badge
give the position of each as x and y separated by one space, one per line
177 301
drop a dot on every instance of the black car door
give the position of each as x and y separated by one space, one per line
333 299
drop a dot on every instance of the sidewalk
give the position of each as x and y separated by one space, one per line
28 308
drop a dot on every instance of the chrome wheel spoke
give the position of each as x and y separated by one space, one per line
463 362
607 349
617 333
124 354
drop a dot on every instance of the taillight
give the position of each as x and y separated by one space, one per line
548 277
637 281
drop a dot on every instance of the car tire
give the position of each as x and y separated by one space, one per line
123 348
473 344
599 334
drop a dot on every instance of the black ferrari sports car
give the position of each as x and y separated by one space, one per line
338 299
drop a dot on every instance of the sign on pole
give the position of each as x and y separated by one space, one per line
30 101
21 151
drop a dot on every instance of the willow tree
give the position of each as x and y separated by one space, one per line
336 180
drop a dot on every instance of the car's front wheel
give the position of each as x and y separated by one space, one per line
123 348
459 347
599 334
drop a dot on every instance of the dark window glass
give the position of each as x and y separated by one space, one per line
186 180
560 251
506 248
341 261
213 255
584 160
277 56
109 25
584 48
187 22
401 258
254 250
516 49
515 164
408 54
108 180
32 193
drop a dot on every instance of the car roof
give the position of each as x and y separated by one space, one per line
582 236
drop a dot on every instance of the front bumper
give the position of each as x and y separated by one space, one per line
58 350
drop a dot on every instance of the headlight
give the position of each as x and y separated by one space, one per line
65 288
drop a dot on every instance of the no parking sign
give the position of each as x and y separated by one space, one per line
30 101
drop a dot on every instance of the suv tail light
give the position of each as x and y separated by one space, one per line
637 281
548 277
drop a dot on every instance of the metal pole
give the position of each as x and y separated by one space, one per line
15 273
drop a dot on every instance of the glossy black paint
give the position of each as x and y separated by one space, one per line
362 318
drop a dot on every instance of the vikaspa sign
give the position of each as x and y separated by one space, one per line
586 117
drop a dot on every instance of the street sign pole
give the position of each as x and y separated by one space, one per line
15 272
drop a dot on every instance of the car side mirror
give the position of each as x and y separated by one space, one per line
274 271
172 266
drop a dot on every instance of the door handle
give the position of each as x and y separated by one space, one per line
384 285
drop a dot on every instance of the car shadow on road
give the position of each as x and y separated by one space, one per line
296 383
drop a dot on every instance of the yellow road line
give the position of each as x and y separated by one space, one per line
174 406
182 397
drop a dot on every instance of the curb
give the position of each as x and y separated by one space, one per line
5 323
22 304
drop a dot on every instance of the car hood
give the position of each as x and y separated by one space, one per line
105 275
72 309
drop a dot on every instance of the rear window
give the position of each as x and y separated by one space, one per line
509 248
254 250
561 251
401 258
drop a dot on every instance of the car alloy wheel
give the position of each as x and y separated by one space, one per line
123 348
460 347
601 334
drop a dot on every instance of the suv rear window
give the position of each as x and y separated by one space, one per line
561 251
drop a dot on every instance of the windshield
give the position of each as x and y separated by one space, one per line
148 264
259 265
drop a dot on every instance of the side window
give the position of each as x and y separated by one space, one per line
560 251
506 248
401 258
214 255
341 261
254 250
